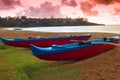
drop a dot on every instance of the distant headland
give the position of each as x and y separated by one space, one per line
23 21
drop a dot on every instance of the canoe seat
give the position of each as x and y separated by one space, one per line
112 39
84 42
57 46
108 39
104 39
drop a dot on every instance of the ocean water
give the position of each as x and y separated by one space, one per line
107 29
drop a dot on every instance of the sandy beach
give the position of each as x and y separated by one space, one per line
105 66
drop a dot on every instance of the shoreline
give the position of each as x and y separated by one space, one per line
97 29
105 66
24 34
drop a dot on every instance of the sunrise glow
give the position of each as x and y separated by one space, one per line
98 11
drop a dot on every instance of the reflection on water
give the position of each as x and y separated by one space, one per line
108 29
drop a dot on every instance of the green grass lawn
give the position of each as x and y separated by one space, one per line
20 64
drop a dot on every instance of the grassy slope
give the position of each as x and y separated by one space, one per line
20 64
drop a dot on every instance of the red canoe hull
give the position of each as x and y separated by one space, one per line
46 43
79 54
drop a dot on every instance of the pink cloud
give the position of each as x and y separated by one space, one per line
117 11
87 7
106 2
69 3
8 4
60 8
44 10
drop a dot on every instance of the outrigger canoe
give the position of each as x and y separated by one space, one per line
75 51
44 42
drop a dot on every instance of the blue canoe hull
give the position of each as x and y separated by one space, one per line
74 51
44 42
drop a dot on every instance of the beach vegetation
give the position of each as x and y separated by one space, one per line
23 21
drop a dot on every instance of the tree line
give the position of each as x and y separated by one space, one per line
23 21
